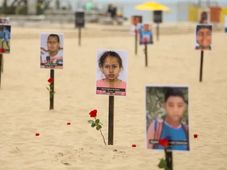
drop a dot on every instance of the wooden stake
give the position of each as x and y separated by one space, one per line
52 90
146 57
136 40
79 36
157 31
169 159
201 66
2 64
1 57
111 121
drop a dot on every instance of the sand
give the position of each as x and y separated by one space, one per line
25 102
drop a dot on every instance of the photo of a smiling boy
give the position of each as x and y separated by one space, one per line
167 117
203 37
51 51
111 76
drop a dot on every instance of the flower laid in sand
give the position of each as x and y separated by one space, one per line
195 136
95 123
50 88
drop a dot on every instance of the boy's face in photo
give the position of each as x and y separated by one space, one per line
111 68
53 44
204 37
146 27
175 108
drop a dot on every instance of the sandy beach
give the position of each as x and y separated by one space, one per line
25 102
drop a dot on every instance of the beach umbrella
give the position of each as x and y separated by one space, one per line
152 6
157 9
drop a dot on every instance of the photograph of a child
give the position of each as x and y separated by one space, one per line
111 74
5 36
203 17
203 37
146 36
136 24
167 117
51 51
4 20
137 19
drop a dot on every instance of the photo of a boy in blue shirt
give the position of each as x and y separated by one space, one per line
170 126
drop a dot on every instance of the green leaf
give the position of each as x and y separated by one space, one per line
98 127
97 121
90 121
162 164
93 125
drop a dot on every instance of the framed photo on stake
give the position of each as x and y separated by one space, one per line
111 73
51 50
167 117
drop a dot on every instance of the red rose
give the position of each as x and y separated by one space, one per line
50 80
2 50
93 113
164 142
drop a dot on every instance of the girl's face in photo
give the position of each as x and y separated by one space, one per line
53 44
111 68
204 37
175 108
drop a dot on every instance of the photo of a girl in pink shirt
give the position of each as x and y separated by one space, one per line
110 66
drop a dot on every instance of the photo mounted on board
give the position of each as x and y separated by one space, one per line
111 73
136 21
5 36
167 117
204 17
146 35
203 37
51 51
4 20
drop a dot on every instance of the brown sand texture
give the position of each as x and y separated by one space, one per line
24 103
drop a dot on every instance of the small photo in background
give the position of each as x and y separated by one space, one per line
5 36
146 35
51 51
4 20
203 38
112 72
167 117
204 17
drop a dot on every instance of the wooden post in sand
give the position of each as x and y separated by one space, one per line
79 23
201 66
111 121
169 159
136 40
52 90
157 31
146 53
79 36
2 63
1 59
